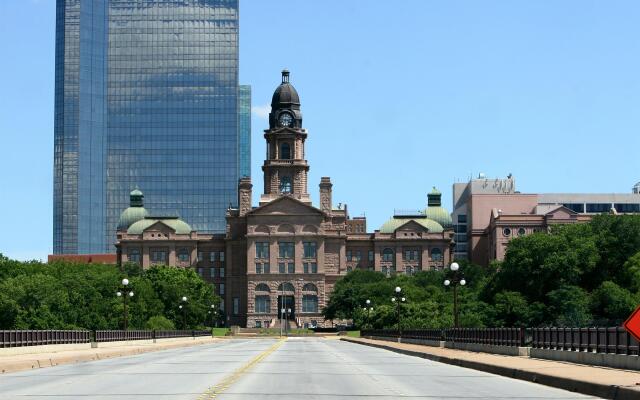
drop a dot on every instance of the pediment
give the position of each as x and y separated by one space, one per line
285 205
561 212
159 226
411 226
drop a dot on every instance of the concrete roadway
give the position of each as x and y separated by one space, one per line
308 368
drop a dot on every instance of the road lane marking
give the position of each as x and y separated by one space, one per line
229 380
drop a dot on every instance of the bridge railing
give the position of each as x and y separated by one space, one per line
614 340
490 336
113 336
21 338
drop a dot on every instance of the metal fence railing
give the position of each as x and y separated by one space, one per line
116 336
613 340
424 334
113 336
21 338
490 336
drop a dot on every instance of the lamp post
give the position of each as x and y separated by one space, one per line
125 292
183 307
368 309
456 279
398 301
213 313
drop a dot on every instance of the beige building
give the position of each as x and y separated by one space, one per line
488 213
285 253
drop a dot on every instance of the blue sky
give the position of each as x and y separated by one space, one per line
397 97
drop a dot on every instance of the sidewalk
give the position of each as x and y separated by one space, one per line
603 382
48 358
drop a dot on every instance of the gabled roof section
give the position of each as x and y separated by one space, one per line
177 225
286 205
396 223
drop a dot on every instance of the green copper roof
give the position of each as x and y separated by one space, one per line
394 223
130 216
435 191
178 225
440 215
136 192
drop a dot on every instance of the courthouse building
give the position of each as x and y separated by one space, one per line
286 252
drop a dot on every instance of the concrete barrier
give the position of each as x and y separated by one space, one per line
49 348
488 348
621 361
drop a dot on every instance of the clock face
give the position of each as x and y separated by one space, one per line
285 119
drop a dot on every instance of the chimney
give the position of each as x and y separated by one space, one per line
244 196
325 194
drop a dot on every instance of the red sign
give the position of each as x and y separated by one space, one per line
632 324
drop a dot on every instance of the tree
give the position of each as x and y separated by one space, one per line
612 304
569 306
159 323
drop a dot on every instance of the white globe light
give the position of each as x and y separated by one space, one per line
371 309
368 301
463 282
213 306
184 298
454 266
393 299
398 289
180 306
403 299
447 282
118 294
130 294
364 308
125 281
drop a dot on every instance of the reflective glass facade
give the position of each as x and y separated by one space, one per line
80 126
244 101
147 96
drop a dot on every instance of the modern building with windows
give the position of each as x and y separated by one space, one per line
146 94
285 253
244 126
490 212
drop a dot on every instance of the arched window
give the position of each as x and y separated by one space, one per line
285 184
387 254
285 151
310 287
262 287
287 287
436 254
309 303
263 304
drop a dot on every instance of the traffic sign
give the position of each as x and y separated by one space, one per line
632 324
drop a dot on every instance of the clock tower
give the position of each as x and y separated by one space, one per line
285 169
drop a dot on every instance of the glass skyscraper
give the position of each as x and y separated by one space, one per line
245 130
147 95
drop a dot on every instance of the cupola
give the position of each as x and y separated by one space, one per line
285 105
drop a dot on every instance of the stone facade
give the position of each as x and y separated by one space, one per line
286 253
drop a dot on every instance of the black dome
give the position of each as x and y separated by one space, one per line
285 94
285 100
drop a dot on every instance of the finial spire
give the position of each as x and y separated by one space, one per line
285 76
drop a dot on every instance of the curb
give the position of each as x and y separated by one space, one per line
613 392
35 363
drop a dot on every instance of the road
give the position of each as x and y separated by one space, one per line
299 368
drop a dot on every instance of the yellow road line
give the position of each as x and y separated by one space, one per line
229 380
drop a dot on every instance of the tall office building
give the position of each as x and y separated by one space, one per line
146 95
245 130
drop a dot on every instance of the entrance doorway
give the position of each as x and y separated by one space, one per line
287 302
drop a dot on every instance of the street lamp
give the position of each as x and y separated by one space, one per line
183 307
213 313
368 309
125 292
398 301
456 279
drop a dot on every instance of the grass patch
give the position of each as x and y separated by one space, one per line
221 331
353 333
